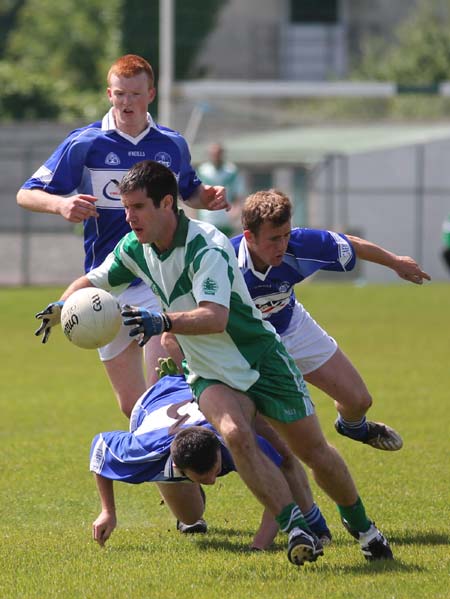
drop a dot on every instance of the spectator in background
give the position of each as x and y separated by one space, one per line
218 171
446 241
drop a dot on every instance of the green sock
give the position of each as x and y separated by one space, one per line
355 515
291 517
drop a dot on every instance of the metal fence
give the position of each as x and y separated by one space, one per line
35 248
397 198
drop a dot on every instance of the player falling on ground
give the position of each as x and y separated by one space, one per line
148 453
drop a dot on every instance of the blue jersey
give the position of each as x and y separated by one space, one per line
143 453
308 251
93 159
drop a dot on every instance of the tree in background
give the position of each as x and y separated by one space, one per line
421 55
55 54
193 21
55 58
418 60
9 9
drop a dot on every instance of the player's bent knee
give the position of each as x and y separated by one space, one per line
239 441
318 456
359 402
365 401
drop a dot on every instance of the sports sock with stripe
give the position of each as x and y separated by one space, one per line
315 520
356 429
355 515
291 517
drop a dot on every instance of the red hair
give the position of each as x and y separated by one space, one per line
131 65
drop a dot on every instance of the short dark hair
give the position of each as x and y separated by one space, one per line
272 206
154 178
195 447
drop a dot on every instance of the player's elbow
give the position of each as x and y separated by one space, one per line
220 322
222 325
20 199
216 317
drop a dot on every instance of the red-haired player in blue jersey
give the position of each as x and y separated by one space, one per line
80 182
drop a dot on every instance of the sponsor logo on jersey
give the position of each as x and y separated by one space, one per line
209 286
163 158
137 153
270 304
111 191
105 188
112 159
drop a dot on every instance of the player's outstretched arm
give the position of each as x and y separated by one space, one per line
106 521
408 269
51 315
405 266
74 209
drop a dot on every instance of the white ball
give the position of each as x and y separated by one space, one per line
91 318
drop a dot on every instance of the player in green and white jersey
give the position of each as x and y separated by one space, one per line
237 363
200 267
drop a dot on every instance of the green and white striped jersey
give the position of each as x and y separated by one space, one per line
200 266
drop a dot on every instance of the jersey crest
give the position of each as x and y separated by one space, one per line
210 286
163 158
112 159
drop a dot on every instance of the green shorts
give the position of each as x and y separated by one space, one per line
279 393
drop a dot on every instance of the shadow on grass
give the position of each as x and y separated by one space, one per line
238 541
362 567
377 567
430 537
411 537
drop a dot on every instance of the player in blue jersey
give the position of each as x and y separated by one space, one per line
273 259
80 182
171 443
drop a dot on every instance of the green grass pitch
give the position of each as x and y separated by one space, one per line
54 398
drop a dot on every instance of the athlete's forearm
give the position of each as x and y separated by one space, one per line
366 250
106 521
405 266
79 283
207 319
75 208
105 488
38 200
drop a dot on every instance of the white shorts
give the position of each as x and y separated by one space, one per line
307 342
139 295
